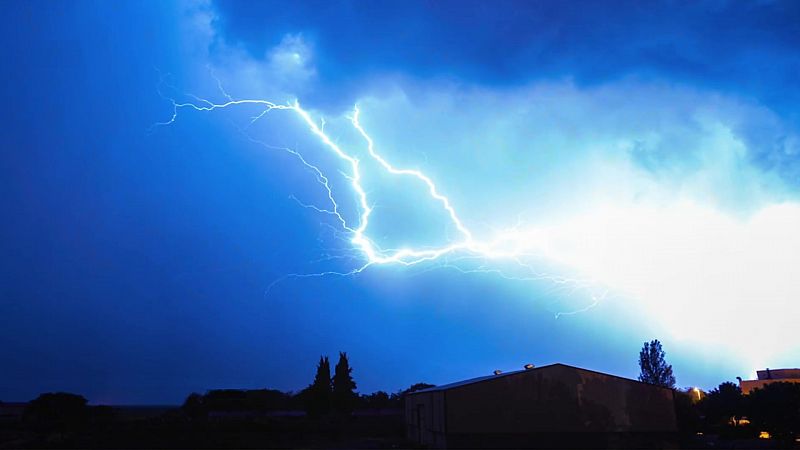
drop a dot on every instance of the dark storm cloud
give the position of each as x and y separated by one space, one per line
750 47
749 50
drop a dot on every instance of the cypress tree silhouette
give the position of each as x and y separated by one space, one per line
318 400
654 368
344 387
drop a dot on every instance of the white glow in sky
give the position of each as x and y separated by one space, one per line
707 277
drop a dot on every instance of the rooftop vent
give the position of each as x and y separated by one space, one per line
497 372
529 366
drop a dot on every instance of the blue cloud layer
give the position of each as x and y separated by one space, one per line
749 50
750 46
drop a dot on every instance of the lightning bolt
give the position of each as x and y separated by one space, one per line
511 244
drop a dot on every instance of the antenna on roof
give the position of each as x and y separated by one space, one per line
497 372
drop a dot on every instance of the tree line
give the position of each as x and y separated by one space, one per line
725 411
326 395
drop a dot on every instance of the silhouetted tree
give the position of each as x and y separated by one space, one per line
396 400
687 412
246 400
654 368
724 405
776 408
344 387
376 400
101 416
400 397
59 411
318 395
193 406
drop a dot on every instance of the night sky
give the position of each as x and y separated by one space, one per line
650 149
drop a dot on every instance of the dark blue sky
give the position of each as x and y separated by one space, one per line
134 262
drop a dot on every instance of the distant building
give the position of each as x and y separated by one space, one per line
768 376
546 407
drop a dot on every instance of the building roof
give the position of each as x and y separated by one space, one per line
457 384
778 374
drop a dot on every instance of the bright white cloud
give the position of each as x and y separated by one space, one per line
648 189
704 275
554 144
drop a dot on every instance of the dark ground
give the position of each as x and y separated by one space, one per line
131 428
160 427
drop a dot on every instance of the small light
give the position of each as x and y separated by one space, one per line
529 366
498 372
764 435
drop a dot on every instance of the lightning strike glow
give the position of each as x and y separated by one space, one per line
696 270
510 244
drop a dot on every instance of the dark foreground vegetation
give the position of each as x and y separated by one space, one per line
103 427
768 417
329 413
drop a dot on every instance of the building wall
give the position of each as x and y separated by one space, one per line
778 373
566 441
749 385
425 419
559 399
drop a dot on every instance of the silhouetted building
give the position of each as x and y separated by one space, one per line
555 406
767 376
